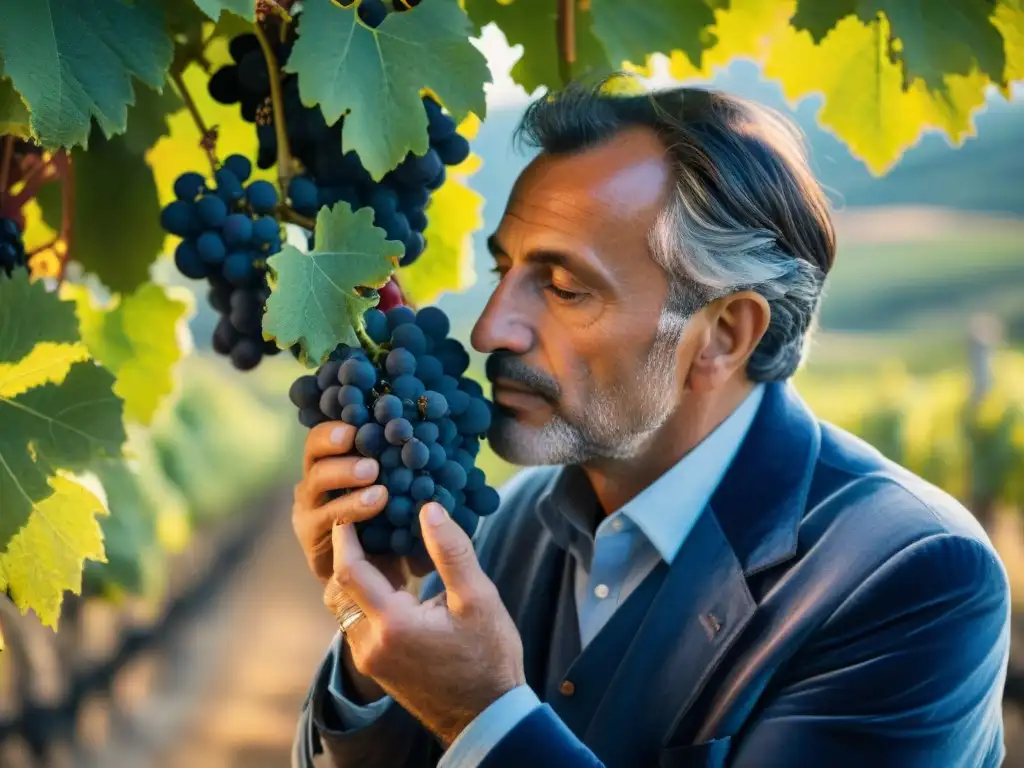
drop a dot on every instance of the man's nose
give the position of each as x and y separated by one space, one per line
504 324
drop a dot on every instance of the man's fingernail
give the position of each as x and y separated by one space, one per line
337 435
372 495
366 468
434 514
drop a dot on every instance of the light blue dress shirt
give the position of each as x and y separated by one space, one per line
610 564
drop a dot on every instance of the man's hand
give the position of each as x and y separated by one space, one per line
445 660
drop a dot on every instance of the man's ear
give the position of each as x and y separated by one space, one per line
733 327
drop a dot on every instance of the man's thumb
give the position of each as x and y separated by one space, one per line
452 552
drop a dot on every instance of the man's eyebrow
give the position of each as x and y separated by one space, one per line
550 257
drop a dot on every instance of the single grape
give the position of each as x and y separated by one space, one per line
409 412
438 457
429 370
407 388
439 125
372 12
356 415
305 392
211 210
239 269
328 374
400 362
390 297
225 336
188 186
470 387
241 45
422 488
188 261
399 511
426 432
471 445
266 231
377 325
444 497
239 165
310 417
349 395
399 316
246 312
398 432
229 187
484 501
417 219
237 229
410 337
399 481
262 196
211 248
475 479
433 405
358 373
370 440
453 357
224 87
383 200
302 192
453 149
449 432
476 419
391 458
396 227
386 408
401 539
458 402
415 244
179 218
246 354
433 322
452 476
415 454
329 404
466 519
463 458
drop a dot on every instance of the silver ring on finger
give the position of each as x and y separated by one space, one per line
348 615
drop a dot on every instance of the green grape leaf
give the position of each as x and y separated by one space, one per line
455 213
14 117
46 362
244 8
137 340
865 102
29 314
374 76
74 61
46 557
936 37
147 118
633 31
314 301
532 24
54 426
120 256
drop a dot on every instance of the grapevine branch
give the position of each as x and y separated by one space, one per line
284 155
5 167
209 135
67 198
566 34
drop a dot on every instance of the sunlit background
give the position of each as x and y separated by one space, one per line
919 352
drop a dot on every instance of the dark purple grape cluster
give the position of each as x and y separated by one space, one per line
12 247
228 230
416 413
399 200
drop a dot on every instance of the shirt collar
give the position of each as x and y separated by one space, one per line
664 511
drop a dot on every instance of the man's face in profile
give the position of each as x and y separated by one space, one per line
585 365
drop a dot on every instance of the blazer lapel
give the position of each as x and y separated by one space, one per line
699 612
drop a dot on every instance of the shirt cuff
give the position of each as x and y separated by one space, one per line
351 715
489 727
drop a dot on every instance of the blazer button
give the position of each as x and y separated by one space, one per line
567 688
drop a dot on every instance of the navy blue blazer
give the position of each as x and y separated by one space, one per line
828 608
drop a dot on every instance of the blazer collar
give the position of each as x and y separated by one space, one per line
762 496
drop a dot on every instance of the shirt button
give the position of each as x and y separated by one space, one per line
617 524
601 590
567 688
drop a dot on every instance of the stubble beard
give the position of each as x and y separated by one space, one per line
617 423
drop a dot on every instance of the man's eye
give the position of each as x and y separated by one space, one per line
565 295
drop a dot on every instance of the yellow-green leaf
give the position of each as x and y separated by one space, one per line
137 339
314 301
865 103
14 117
47 362
455 213
46 557
1009 20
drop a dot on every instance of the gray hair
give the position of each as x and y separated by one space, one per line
745 214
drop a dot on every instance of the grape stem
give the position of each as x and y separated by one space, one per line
37 177
566 31
208 136
372 348
284 212
284 154
66 169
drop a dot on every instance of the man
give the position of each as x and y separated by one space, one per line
707 575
